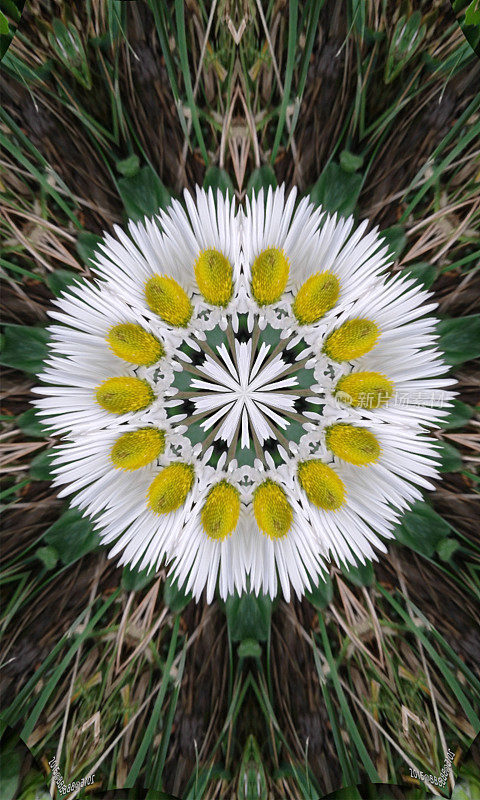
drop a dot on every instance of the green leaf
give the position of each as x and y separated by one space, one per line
72 536
396 240
10 764
34 787
322 594
423 272
133 580
447 548
422 529
249 648
48 556
129 166
359 574
60 280
86 245
458 416
472 14
261 178
24 347
12 9
248 617
174 596
337 190
451 459
460 338
4 29
41 465
31 425
472 35
143 194
349 161
217 178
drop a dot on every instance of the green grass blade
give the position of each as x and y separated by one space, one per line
352 728
182 47
440 663
58 672
349 769
156 781
473 133
291 50
151 727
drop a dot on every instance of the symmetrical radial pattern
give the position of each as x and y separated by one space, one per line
244 393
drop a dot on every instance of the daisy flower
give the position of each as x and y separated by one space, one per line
244 394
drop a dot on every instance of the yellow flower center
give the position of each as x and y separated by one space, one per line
364 389
167 298
133 343
221 510
269 276
136 449
356 445
272 510
351 340
214 277
169 490
317 296
119 395
321 484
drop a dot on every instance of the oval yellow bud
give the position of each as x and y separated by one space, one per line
351 340
269 276
214 276
356 445
120 395
364 389
321 484
167 298
169 490
136 449
133 343
317 296
272 510
221 510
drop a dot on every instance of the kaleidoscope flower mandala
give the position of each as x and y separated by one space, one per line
244 394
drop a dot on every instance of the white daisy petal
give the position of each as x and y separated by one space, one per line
250 449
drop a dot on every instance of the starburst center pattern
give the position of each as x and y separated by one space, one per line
245 391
